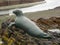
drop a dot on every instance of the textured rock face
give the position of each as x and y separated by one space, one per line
22 38
13 2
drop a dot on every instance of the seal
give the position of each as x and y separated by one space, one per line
28 26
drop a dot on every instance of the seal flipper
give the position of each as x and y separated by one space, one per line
45 36
11 25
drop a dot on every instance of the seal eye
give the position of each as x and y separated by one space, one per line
18 12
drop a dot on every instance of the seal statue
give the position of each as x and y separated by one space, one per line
28 26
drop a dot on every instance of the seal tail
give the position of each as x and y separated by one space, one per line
45 36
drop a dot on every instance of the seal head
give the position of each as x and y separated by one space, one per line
18 12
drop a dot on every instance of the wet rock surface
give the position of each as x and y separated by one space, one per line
17 36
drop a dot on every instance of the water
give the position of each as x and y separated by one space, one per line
54 30
51 1
4 12
50 4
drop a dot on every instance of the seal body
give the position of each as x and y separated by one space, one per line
28 26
